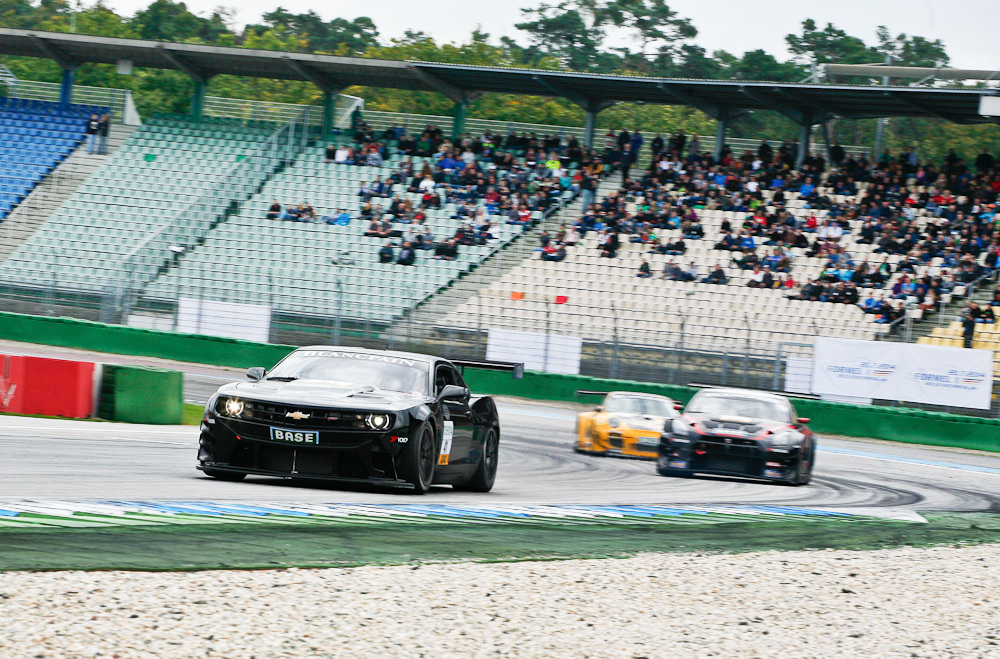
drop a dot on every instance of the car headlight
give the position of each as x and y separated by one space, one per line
378 421
233 407
612 422
781 442
681 430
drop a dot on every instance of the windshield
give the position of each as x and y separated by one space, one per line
636 405
363 368
718 405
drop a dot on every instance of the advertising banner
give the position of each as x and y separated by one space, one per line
250 322
947 376
539 352
865 369
933 375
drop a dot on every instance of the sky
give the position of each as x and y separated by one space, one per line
970 29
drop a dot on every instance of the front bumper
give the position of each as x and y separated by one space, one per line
242 447
622 442
728 456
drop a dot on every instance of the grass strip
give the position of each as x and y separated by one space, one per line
253 546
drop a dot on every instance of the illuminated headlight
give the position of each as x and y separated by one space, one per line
377 421
233 407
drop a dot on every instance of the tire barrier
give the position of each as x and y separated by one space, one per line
47 387
141 395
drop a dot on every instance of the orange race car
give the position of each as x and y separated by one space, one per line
628 424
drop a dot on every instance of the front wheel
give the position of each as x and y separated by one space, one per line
486 473
419 459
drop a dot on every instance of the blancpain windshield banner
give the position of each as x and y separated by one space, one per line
902 371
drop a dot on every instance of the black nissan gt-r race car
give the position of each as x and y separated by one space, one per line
737 432
355 415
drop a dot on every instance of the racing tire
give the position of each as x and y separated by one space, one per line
800 476
486 472
228 476
419 459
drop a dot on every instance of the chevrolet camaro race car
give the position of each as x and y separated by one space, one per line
626 424
356 415
740 433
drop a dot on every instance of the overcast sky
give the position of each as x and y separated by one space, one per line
970 29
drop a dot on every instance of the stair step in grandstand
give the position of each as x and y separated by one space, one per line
54 190
35 136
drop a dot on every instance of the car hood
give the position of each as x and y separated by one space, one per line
637 421
323 393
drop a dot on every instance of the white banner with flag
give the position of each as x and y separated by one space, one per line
934 375
845 367
947 376
551 353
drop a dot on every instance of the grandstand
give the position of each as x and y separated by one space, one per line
286 265
35 136
163 165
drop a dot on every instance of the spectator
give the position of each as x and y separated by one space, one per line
407 255
330 155
644 272
341 218
387 253
446 251
93 126
103 129
968 328
274 211
716 276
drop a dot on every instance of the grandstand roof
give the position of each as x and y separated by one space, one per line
801 102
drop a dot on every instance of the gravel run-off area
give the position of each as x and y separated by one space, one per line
939 602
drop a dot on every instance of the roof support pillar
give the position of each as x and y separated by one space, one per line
826 143
66 89
329 112
458 121
720 133
198 98
589 128
805 133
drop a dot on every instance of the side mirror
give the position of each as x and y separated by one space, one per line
678 407
453 392
256 373
599 408
803 420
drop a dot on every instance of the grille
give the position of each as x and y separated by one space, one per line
722 426
735 447
318 419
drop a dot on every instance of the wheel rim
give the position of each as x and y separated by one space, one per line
426 457
491 454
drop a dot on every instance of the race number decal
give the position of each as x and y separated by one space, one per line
446 437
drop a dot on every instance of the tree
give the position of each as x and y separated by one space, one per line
164 20
830 44
910 51
339 35
652 23
570 31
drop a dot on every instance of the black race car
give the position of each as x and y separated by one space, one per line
740 433
351 414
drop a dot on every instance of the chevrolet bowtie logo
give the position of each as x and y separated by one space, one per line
298 416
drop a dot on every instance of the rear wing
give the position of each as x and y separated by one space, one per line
586 392
515 368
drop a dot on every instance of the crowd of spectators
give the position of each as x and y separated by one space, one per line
938 219
487 179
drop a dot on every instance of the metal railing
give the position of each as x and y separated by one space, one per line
118 100
246 110
189 224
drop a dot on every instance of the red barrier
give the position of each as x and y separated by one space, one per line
51 387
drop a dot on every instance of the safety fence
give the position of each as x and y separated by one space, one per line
250 110
192 222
